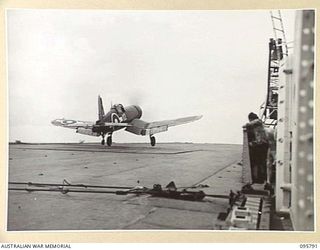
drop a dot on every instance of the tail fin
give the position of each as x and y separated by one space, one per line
100 108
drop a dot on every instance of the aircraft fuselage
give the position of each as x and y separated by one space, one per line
118 114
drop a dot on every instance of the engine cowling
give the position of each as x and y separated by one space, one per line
86 131
132 112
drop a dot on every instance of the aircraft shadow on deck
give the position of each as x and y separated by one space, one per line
120 149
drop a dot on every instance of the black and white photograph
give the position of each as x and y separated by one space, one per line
160 120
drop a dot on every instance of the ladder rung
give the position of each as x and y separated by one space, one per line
279 30
276 17
272 107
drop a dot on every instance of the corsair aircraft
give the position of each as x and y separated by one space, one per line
120 117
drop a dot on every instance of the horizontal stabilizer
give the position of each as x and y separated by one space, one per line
116 124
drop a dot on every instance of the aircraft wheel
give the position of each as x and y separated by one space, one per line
102 142
109 141
152 141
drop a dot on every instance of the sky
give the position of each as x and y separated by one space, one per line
171 63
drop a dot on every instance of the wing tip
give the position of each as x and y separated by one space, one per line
56 122
198 117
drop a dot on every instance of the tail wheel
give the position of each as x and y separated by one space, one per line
152 141
109 141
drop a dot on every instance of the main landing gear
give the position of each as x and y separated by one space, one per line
152 140
109 140
103 141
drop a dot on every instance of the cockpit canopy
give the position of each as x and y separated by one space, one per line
118 108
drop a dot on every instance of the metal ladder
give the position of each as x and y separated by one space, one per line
278 50
278 29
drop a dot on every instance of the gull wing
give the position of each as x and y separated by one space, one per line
140 127
175 122
73 124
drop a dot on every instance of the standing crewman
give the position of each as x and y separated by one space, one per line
271 157
258 148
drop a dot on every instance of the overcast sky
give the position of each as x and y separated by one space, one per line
171 63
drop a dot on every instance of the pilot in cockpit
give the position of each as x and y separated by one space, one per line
120 111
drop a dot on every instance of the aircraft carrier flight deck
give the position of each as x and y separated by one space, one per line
215 168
